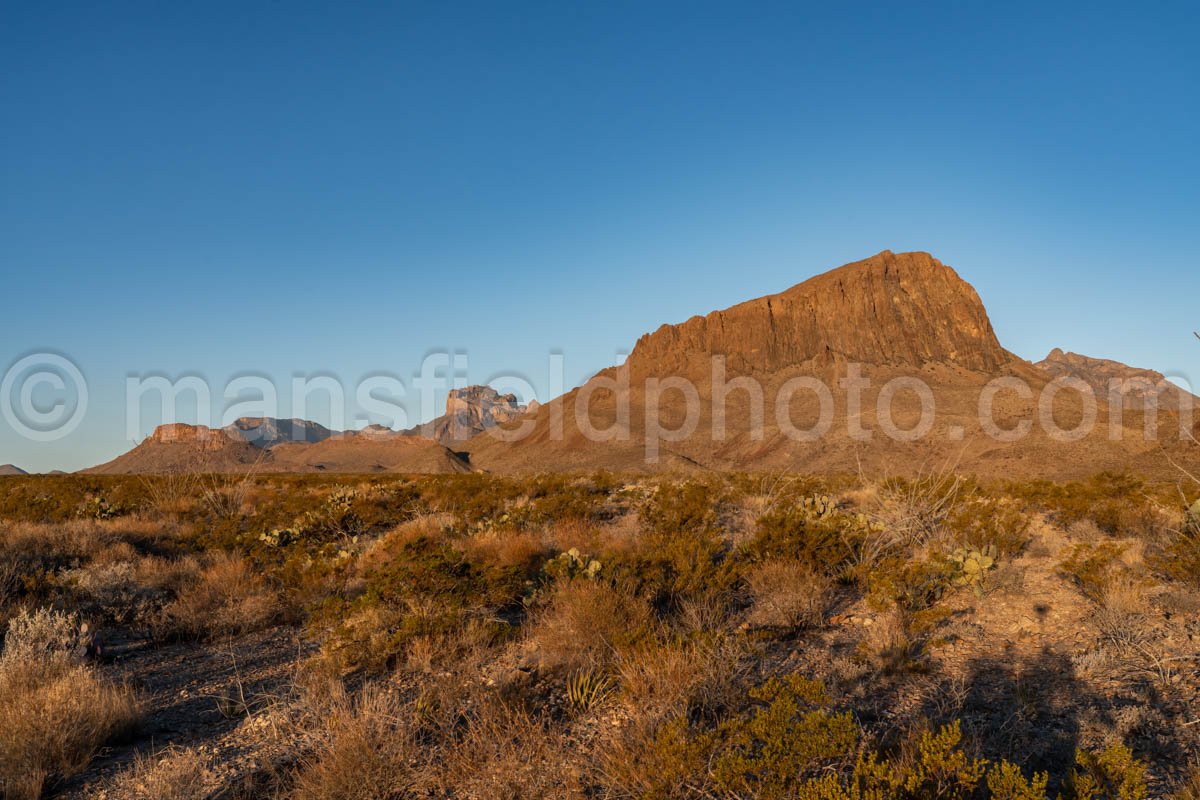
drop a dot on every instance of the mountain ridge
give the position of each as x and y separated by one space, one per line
892 315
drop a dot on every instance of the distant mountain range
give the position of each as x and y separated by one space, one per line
892 316
9 469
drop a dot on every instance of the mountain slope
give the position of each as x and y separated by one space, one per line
892 316
11 469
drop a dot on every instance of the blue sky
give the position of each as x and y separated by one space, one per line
281 189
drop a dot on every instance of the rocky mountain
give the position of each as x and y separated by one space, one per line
891 316
904 309
1134 386
295 445
10 469
189 448
801 377
470 411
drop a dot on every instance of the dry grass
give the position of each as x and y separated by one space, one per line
380 746
696 678
507 754
585 623
788 594
225 599
1189 788
172 774
364 751
56 711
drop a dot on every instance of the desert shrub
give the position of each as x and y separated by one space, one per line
788 734
475 498
565 497
787 594
60 498
1091 566
939 768
982 520
125 591
418 588
1005 781
1177 556
912 585
889 646
44 636
226 599
791 530
433 569
1111 774
677 507
56 711
1117 503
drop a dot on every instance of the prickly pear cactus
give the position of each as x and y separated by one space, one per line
572 564
973 566
821 506
1193 518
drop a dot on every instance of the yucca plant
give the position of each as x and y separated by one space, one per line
587 688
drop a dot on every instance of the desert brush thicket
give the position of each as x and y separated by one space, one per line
685 636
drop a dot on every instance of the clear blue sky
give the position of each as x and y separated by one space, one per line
287 188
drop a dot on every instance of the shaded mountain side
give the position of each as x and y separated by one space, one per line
1134 386
363 454
207 450
268 432
11 469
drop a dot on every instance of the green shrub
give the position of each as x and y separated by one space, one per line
1111 774
789 735
1089 566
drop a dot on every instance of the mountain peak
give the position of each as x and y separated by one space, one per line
904 309
1134 385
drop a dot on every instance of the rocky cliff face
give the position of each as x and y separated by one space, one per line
905 309
200 436
1135 386
471 411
